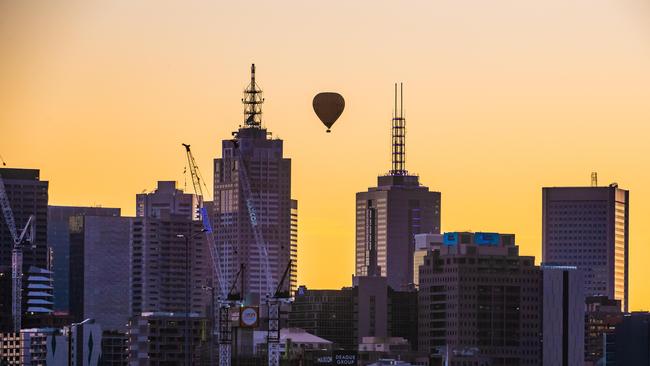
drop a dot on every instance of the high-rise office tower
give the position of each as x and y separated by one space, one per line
58 237
99 269
252 203
27 196
170 259
563 316
588 227
388 216
479 302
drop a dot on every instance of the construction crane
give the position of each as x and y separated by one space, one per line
27 235
226 297
273 299
274 305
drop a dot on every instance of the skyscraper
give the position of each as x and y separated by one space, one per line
58 237
388 216
27 196
99 269
252 203
563 316
588 227
479 302
170 262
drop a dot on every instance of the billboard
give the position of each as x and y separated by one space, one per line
344 358
249 316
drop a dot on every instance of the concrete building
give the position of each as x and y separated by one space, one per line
115 349
159 339
58 237
170 260
28 347
368 309
423 244
588 227
39 291
99 269
630 342
389 216
563 316
167 198
254 159
27 195
328 314
602 316
479 302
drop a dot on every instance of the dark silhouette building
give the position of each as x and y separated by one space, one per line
368 309
58 237
601 317
27 195
480 302
99 270
629 344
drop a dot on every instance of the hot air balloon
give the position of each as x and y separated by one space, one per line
328 107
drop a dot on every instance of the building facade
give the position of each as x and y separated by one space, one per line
99 269
602 316
28 195
423 244
629 344
169 258
368 309
588 227
480 302
162 339
563 316
58 237
389 216
254 214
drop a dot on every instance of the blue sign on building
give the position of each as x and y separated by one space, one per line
450 239
487 239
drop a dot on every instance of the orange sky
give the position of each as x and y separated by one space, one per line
502 97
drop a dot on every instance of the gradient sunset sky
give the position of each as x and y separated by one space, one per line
501 99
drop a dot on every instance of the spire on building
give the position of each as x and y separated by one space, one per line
253 100
398 167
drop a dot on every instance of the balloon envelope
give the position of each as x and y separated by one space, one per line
328 107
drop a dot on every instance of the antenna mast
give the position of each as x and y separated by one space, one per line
253 99
594 179
398 166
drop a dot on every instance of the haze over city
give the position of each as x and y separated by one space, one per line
501 98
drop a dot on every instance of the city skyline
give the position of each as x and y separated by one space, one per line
488 133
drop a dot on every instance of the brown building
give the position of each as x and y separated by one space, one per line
157 339
602 315
368 309
254 157
170 261
480 302
389 216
